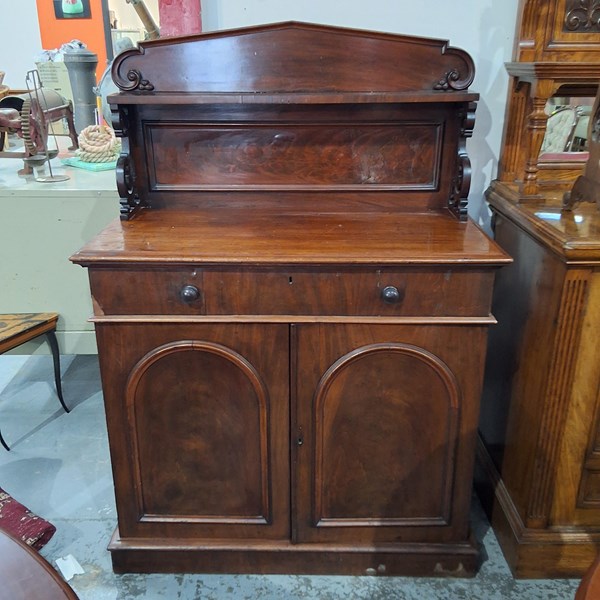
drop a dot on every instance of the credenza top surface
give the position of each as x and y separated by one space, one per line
261 236
574 235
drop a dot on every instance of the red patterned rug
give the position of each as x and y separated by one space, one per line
21 523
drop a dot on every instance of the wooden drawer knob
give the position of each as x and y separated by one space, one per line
391 294
189 293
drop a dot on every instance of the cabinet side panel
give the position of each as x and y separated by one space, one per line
576 494
526 303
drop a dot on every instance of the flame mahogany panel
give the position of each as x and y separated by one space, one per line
222 411
405 155
388 416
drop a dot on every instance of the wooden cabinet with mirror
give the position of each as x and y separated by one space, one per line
292 313
557 55
538 451
540 425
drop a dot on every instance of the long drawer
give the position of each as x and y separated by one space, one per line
369 292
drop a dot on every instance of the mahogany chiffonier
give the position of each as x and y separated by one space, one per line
292 313
539 448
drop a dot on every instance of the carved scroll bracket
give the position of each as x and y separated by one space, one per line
457 78
448 81
130 201
130 79
582 16
461 182
125 171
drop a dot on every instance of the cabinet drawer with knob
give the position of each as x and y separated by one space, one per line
147 291
368 292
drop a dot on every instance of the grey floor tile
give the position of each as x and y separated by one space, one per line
59 467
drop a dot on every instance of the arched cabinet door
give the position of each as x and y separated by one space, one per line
380 414
205 422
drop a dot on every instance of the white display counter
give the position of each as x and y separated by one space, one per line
41 225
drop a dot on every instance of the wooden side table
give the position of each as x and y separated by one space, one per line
18 328
25 574
589 588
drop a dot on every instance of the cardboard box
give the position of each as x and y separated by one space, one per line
54 76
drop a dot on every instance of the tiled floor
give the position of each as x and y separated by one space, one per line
59 467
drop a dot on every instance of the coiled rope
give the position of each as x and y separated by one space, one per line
98 144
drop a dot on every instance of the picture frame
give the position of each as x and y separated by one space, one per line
72 9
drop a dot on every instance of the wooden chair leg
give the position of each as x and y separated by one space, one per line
51 336
3 442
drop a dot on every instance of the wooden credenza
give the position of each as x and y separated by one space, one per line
539 448
292 314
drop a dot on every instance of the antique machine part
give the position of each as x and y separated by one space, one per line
33 114
29 115
36 92
32 133
38 162
150 25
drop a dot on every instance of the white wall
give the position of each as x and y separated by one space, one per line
19 42
484 28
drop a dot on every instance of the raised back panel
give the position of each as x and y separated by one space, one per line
293 108
270 156
293 57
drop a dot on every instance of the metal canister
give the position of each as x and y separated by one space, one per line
81 65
